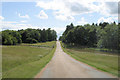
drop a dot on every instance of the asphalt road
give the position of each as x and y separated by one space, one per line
64 66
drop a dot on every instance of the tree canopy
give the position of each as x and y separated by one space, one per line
11 37
103 35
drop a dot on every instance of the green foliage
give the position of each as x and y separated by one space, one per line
79 35
7 40
119 35
30 40
14 40
0 38
108 37
103 36
10 37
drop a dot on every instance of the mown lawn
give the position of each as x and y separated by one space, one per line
26 60
100 60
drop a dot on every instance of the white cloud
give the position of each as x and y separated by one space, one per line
10 22
108 8
109 19
42 15
82 21
77 7
67 6
24 21
25 16
1 18
59 30
65 9
12 25
63 17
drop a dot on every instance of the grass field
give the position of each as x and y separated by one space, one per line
26 60
100 60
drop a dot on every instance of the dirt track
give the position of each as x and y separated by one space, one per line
63 66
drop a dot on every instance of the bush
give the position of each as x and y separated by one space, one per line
34 41
30 40
10 37
8 41
15 41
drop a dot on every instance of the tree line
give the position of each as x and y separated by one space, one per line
102 35
12 37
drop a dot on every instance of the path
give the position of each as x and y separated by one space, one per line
64 66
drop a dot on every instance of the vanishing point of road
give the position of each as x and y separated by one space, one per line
64 66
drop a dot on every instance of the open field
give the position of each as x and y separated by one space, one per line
100 60
26 60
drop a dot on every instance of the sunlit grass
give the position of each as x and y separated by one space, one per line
100 60
24 61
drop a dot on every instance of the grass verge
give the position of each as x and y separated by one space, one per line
100 60
26 61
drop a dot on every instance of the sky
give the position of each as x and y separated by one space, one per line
56 14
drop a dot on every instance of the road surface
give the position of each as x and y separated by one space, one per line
64 66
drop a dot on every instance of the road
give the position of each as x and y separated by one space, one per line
64 66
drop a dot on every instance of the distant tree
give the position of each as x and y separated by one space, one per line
0 38
11 37
69 37
6 39
118 36
17 37
103 24
60 38
44 35
109 37
114 22
68 27
54 35
30 40
104 35
14 40
96 24
93 24
49 33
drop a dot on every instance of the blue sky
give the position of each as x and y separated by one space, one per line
56 14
